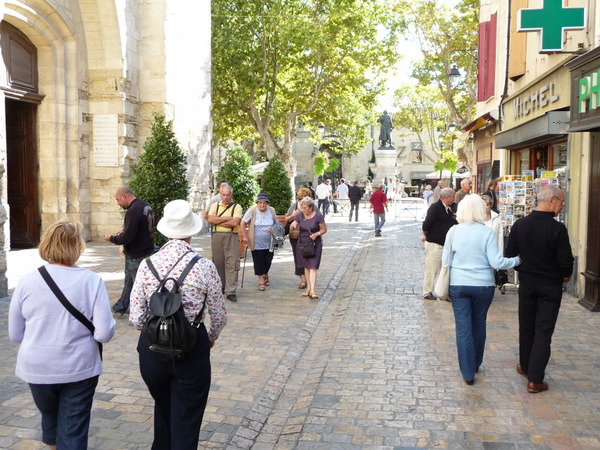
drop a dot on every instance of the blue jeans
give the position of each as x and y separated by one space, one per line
470 305
65 412
379 220
131 265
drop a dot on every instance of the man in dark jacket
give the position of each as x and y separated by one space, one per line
137 239
439 219
354 194
543 245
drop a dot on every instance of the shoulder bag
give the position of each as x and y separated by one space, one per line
308 248
67 304
442 285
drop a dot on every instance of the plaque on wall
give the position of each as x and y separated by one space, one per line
106 140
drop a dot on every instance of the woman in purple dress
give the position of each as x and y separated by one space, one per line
312 226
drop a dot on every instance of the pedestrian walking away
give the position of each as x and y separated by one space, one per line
179 387
472 249
137 239
58 357
378 207
355 194
544 245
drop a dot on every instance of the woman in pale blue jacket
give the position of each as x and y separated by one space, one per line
474 252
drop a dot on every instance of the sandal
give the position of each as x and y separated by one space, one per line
302 285
306 294
313 296
267 280
261 287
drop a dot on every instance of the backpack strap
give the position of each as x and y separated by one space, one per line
155 272
197 321
193 261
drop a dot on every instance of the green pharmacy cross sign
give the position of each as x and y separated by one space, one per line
552 19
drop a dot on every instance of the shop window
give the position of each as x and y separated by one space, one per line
559 156
539 160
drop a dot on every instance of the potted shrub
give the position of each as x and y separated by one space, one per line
237 170
276 184
160 174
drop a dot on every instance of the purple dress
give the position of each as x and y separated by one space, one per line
309 263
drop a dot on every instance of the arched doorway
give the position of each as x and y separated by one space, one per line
21 100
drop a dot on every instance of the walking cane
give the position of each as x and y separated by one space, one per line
244 266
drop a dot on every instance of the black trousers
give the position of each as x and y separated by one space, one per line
538 312
180 392
354 207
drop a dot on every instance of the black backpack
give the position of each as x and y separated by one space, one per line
167 333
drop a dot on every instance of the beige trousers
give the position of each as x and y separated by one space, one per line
433 264
226 256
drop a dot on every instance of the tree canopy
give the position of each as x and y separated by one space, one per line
278 61
446 36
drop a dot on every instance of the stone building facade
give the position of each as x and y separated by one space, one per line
80 82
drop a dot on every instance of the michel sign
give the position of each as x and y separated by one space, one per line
551 20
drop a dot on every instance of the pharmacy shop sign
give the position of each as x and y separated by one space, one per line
551 20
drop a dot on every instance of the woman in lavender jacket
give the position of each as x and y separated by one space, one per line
59 356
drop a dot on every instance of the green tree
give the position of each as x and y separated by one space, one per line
237 170
276 61
446 36
421 110
160 174
276 184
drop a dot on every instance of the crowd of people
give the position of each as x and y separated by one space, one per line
459 228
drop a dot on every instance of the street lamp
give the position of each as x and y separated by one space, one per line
454 75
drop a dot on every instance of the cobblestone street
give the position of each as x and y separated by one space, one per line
369 365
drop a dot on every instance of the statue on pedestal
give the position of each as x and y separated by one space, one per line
385 133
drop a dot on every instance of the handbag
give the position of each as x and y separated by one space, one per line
308 248
67 304
294 234
442 285
501 277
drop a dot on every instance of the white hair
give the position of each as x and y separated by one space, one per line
471 209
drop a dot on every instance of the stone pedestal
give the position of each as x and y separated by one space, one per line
385 158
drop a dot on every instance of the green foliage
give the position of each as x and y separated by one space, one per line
276 184
446 36
448 161
422 110
160 174
278 61
323 163
237 170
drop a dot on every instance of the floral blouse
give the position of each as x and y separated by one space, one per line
202 284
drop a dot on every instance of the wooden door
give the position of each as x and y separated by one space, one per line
22 174
591 296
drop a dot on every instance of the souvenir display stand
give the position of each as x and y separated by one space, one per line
518 198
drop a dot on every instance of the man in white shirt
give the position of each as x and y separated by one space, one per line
342 190
323 194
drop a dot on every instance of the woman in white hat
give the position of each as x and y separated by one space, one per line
179 388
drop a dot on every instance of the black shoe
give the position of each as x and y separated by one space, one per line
117 313
232 298
470 382
429 296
